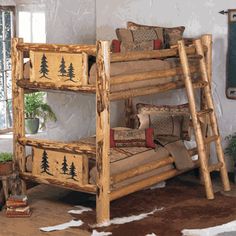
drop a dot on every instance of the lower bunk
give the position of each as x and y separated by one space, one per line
131 168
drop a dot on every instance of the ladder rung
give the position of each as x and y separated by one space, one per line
200 84
204 112
211 139
196 56
216 166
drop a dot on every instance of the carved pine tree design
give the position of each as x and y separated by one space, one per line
73 171
71 73
64 167
45 164
62 68
44 67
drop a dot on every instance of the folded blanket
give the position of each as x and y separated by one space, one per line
177 149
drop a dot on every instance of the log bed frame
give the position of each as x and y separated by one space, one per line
104 194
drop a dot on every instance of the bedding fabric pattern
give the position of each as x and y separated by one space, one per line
170 35
156 112
132 138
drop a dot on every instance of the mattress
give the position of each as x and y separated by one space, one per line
123 159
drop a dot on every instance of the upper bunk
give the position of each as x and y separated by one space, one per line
130 74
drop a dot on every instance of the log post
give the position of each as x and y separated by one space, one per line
18 108
103 132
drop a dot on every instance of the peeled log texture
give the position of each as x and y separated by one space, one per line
25 83
89 49
158 54
76 148
83 188
103 132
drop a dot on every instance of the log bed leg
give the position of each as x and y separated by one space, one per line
18 109
103 132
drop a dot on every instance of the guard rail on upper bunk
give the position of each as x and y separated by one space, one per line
122 79
154 74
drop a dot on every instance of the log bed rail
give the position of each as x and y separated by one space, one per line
103 190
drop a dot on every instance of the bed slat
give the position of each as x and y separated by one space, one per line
131 188
141 169
143 91
158 74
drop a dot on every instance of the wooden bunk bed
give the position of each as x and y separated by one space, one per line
84 150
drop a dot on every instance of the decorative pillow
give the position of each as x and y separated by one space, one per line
176 110
140 46
132 138
162 124
118 46
139 35
170 36
115 46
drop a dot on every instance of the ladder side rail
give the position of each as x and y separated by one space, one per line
196 124
213 119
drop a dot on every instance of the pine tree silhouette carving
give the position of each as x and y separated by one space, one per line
44 67
71 73
45 164
64 167
62 67
72 171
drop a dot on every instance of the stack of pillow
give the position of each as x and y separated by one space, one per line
153 122
166 120
143 37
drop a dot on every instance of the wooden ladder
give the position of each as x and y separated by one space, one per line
208 111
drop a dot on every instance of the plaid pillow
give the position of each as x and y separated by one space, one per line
132 138
177 110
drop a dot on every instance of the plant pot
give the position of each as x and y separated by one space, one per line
31 126
6 168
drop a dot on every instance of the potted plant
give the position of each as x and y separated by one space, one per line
36 110
6 163
231 151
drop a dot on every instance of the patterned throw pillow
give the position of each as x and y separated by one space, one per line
118 46
170 36
139 40
178 110
132 138
139 35
167 125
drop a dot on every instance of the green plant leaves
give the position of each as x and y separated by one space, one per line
5 156
35 107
